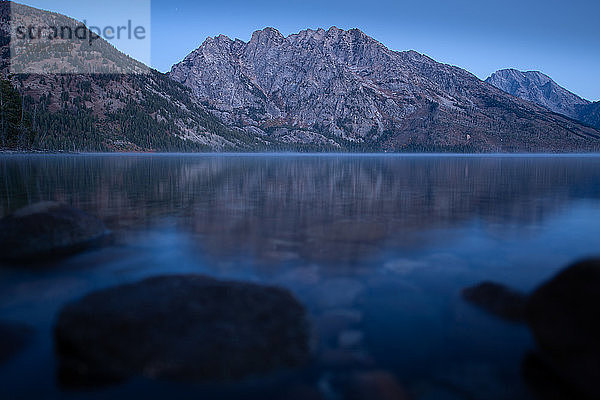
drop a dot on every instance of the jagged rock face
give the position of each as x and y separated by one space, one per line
346 87
539 89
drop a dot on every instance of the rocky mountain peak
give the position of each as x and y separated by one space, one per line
223 39
535 77
538 88
220 42
267 36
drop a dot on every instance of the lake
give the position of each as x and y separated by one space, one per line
376 247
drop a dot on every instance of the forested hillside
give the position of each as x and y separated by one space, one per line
141 111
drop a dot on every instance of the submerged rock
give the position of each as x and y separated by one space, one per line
13 338
564 316
47 230
498 300
370 385
337 293
546 383
350 338
189 328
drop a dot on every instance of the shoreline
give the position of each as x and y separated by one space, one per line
293 154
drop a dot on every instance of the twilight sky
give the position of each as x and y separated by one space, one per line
557 37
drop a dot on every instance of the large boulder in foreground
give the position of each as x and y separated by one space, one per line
189 328
564 316
47 230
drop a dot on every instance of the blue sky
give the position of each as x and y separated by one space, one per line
559 38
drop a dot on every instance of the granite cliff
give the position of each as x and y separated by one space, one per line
345 89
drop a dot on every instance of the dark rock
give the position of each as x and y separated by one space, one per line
189 328
544 380
371 385
498 300
564 316
301 392
47 230
13 338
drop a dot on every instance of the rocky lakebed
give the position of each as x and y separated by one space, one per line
192 328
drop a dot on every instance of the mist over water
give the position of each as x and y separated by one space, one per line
387 242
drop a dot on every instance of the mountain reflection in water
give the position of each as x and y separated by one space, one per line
323 208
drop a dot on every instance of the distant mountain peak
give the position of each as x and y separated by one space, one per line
538 88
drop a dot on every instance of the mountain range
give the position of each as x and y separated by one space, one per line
318 90
347 89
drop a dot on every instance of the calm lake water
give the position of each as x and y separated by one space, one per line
383 244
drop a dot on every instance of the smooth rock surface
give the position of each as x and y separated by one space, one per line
47 230
189 328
